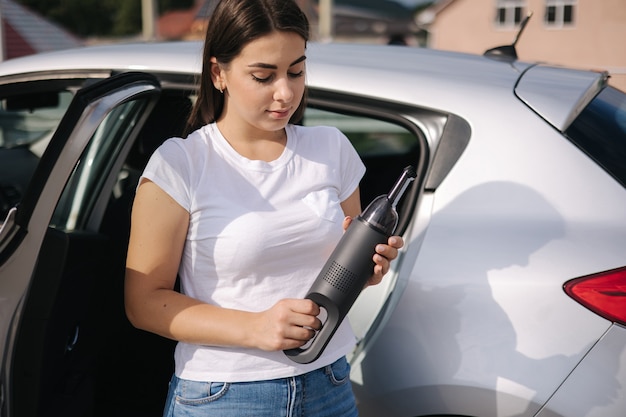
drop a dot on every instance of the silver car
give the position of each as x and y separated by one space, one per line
509 298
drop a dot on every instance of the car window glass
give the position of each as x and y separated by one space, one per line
30 119
95 165
600 130
27 123
385 147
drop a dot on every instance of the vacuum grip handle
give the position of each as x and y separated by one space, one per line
323 336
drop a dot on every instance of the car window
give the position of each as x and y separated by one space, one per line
30 119
370 137
96 163
600 131
27 122
385 147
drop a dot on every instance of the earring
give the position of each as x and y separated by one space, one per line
220 88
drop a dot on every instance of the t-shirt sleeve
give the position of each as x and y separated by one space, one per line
351 167
170 169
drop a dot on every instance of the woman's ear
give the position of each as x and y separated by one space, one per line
216 74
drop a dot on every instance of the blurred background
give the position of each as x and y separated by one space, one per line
584 34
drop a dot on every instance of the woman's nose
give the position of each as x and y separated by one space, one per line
284 90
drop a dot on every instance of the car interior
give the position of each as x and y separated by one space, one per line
76 354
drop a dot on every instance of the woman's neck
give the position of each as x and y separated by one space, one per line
257 145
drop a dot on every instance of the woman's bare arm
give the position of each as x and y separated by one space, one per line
158 231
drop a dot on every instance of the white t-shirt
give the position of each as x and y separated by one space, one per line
259 232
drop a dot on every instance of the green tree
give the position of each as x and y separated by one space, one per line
127 19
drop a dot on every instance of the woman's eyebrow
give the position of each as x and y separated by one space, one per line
271 66
297 61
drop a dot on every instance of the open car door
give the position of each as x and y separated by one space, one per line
50 247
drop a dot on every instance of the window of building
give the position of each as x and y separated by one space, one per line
509 12
559 12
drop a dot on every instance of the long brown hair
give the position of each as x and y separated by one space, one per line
233 24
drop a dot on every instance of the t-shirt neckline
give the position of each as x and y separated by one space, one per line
250 164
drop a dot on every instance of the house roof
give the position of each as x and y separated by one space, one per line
25 32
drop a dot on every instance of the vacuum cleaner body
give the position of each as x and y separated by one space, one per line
350 265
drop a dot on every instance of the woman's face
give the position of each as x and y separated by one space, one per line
264 84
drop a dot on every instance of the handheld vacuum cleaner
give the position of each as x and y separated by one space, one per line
350 265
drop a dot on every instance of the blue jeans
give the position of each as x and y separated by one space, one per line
326 392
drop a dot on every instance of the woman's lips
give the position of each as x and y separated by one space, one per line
279 114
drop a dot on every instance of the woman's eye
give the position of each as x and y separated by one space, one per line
269 78
261 79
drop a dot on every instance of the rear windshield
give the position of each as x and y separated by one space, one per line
600 131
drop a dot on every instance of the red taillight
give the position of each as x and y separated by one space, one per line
603 293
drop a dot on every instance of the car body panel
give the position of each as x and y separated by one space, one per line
593 388
466 317
339 67
184 57
472 319
543 87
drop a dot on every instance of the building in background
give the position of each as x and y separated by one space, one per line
371 21
183 24
25 32
586 34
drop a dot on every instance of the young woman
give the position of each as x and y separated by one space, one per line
246 210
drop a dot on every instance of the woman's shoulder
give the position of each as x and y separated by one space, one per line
189 145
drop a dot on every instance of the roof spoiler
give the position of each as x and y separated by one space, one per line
507 52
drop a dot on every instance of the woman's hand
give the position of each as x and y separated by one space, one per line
288 324
385 253
383 257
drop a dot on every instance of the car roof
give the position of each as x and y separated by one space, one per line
420 76
345 67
